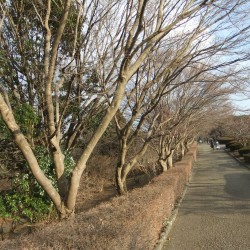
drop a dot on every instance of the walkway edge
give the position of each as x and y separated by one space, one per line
167 225
236 159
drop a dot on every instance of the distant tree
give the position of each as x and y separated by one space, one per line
70 61
238 127
169 67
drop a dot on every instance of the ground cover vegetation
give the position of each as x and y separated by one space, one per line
235 136
95 92
137 228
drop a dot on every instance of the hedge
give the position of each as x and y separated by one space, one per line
134 221
234 146
247 158
225 140
244 150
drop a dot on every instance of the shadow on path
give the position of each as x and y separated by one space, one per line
215 212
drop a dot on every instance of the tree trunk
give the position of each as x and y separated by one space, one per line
163 165
170 159
81 164
120 183
60 174
182 150
28 154
162 153
123 170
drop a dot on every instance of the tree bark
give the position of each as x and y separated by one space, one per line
170 159
81 164
25 148
163 165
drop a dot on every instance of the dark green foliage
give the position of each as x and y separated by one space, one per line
244 150
27 198
230 143
235 146
247 158
24 201
10 156
4 132
25 117
225 140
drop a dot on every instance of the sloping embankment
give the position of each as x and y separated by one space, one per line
131 222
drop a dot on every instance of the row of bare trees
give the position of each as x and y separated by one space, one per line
166 66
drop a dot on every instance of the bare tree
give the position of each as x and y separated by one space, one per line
190 111
190 60
238 127
62 79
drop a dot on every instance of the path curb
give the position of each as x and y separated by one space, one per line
167 225
239 161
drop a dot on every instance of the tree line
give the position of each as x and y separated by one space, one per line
161 70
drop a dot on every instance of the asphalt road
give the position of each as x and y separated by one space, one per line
215 212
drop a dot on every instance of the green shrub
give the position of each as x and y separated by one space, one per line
23 202
225 140
234 146
25 116
244 150
27 198
230 143
247 158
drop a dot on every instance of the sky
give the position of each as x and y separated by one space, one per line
241 103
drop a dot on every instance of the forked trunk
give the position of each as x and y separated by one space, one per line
28 154
163 165
64 213
120 182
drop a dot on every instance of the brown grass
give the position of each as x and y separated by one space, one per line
130 222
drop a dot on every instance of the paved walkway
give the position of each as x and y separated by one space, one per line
215 212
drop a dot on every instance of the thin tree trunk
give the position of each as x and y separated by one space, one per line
120 184
123 171
170 159
81 164
162 153
183 149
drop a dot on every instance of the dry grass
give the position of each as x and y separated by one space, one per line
129 222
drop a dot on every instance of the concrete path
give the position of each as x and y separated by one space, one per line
215 212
